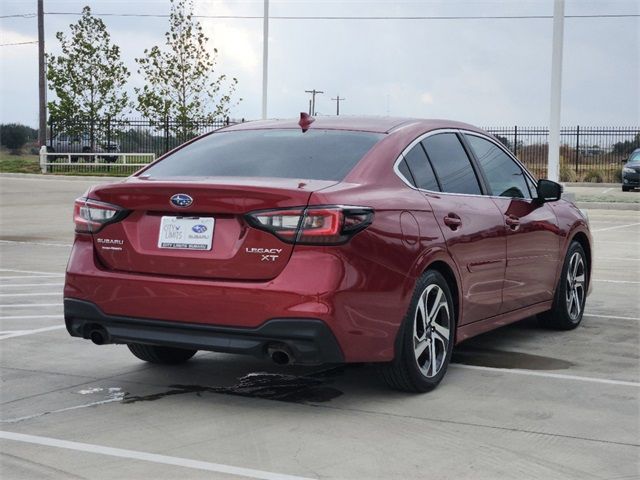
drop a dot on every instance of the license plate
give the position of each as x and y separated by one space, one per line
189 233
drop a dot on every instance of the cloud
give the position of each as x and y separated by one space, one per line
426 98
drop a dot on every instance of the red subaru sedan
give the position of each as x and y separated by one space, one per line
336 240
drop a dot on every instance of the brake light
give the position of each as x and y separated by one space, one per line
330 225
90 216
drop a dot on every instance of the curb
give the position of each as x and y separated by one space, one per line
608 206
591 184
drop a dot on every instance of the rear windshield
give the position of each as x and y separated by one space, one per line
313 155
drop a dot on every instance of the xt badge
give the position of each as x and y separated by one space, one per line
267 254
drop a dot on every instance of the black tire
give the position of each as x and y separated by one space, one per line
405 372
162 355
625 189
562 316
87 158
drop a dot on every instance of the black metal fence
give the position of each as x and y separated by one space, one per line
590 154
130 135
594 154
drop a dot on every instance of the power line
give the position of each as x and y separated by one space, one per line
19 15
17 43
329 17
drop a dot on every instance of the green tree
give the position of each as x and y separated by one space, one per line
14 136
180 82
88 77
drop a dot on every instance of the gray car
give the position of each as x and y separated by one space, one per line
631 172
64 143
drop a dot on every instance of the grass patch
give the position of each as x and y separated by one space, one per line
19 163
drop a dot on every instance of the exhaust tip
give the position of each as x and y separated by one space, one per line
98 337
280 354
280 357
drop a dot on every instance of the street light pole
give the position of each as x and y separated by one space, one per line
42 86
553 167
265 57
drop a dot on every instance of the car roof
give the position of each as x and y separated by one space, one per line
354 123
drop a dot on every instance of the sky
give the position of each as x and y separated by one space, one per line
490 72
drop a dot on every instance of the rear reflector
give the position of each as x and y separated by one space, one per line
90 216
330 225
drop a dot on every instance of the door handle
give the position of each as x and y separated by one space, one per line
453 221
512 222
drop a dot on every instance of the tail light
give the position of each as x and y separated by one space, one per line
330 225
90 216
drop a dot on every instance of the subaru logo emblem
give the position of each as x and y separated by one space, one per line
181 200
199 228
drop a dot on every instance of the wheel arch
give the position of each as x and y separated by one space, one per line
444 267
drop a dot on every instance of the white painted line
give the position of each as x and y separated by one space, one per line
615 228
33 294
605 280
24 305
607 316
65 245
24 317
18 285
613 242
606 190
31 272
559 376
22 333
617 258
146 457
30 277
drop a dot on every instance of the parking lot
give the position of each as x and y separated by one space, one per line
520 402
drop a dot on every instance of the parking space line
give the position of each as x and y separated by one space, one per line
17 285
32 294
609 281
618 258
23 305
146 457
615 228
30 277
65 245
606 315
24 317
31 272
559 376
22 333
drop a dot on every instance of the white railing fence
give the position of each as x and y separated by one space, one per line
102 160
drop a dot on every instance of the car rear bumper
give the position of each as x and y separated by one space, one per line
309 341
362 312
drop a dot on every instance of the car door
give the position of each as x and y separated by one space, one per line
470 223
533 236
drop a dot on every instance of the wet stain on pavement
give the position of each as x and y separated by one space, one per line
504 359
270 386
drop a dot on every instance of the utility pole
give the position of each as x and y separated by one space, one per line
42 86
553 166
313 100
265 57
337 100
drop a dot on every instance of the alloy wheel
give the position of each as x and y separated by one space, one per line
431 330
575 287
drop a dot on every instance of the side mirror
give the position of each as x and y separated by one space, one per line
549 191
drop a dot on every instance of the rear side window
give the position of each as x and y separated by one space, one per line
451 164
313 155
420 169
505 177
